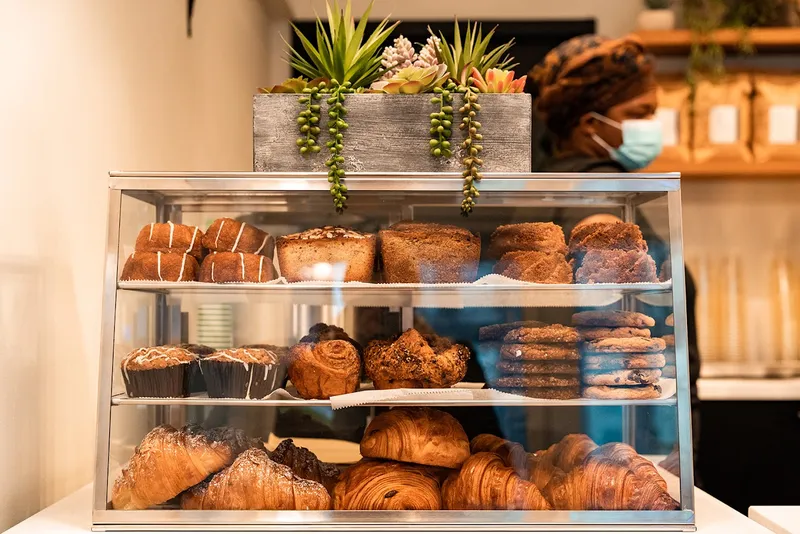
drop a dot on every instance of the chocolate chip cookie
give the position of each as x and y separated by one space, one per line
602 332
651 391
638 345
625 377
538 367
613 318
537 381
623 361
496 332
554 333
564 393
538 351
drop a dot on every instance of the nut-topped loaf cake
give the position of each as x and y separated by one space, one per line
172 238
229 235
331 253
429 253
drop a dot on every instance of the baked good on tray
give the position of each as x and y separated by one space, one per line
305 464
553 333
429 253
616 267
415 361
331 253
229 235
486 483
537 236
606 236
602 332
387 485
419 435
612 319
254 482
496 332
539 351
157 372
552 393
649 391
172 238
597 362
535 266
323 365
637 345
169 461
222 267
241 373
160 266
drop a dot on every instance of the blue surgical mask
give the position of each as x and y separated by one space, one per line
642 142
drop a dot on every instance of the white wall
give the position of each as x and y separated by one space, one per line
613 18
89 86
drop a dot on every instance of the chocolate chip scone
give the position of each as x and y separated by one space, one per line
538 367
650 391
627 361
640 345
535 351
613 318
554 333
624 377
592 334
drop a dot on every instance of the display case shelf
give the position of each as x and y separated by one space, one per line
413 295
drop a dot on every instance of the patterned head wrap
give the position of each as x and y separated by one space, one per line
589 73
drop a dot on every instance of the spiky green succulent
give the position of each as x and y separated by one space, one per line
461 56
341 53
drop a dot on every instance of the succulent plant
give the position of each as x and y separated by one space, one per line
497 81
341 53
413 80
293 85
461 56
429 54
397 57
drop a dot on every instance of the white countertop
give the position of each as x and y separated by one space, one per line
748 389
73 515
779 519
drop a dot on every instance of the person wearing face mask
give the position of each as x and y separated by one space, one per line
597 98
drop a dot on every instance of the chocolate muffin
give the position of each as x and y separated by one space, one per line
157 372
331 253
223 267
616 267
538 236
229 235
172 238
534 266
241 373
428 253
160 266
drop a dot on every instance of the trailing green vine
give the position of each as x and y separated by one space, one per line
308 119
442 120
336 127
471 147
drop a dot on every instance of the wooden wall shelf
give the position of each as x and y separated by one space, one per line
765 40
730 171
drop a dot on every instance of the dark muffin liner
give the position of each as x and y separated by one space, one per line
231 380
169 382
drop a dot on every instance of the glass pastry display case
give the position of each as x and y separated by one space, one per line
268 363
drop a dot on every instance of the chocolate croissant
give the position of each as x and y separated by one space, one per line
305 464
600 484
485 483
418 435
169 461
254 482
387 485
324 369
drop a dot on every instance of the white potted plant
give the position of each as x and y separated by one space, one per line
656 16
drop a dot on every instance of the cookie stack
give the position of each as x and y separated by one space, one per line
669 369
613 253
531 252
620 359
540 362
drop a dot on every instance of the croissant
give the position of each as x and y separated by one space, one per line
418 435
485 483
387 485
512 453
541 472
569 452
626 456
169 461
305 464
602 485
254 482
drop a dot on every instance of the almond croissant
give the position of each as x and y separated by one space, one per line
485 483
599 484
386 485
169 461
254 482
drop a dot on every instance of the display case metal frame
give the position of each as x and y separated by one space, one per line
172 193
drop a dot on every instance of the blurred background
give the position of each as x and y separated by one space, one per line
94 85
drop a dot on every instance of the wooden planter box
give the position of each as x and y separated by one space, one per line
391 133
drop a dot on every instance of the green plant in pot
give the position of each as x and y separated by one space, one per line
351 60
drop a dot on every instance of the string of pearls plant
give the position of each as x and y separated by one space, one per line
336 127
442 120
472 148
